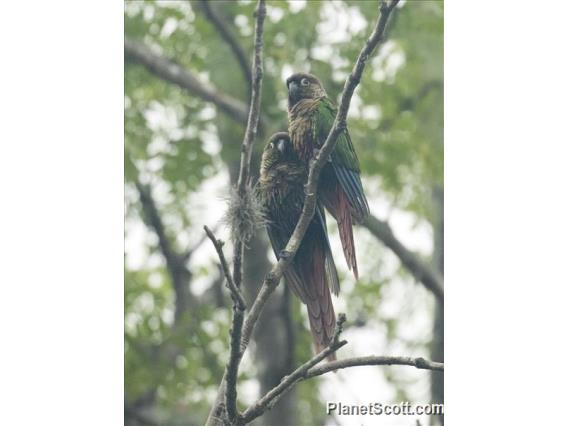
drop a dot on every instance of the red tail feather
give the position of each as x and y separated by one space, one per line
345 224
336 201
320 307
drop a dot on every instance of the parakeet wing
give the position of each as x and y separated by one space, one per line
343 159
279 232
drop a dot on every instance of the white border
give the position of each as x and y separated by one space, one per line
61 219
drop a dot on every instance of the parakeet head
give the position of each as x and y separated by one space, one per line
303 86
278 150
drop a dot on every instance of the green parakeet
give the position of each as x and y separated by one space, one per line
312 274
310 118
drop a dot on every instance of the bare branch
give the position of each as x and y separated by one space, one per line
180 275
419 363
235 292
310 369
431 279
268 400
168 70
305 372
225 32
254 112
189 252
232 370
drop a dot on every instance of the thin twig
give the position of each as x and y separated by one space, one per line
303 373
311 369
254 111
420 363
268 400
232 370
235 292
189 252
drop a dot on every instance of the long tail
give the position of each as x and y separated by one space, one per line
318 300
345 226
336 201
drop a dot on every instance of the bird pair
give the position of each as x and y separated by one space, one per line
280 190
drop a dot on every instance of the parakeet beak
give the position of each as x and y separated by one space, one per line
281 145
293 88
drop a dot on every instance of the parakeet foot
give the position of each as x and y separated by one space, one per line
284 254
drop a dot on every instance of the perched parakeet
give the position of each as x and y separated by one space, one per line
312 274
310 118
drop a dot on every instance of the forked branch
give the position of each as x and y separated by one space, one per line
229 382
235 292
268 400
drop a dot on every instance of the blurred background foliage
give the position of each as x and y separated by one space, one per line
181 156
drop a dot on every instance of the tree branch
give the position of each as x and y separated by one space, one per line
268 400
168 70
175 263
311 369
242 189
419 363
254 111
230 39
235 292
431 279
180 280
189 252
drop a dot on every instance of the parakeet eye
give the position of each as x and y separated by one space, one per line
304 82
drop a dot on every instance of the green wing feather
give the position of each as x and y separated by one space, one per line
343 158
344 152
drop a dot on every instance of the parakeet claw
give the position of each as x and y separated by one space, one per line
284 254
